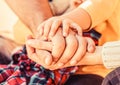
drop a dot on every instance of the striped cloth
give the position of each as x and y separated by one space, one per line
113 78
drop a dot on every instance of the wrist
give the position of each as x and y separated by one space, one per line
92 58
81 17
97 55
37 18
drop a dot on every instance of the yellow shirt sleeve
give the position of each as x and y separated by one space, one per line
20 31
99 10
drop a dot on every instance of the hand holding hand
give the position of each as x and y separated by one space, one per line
68 54
51 26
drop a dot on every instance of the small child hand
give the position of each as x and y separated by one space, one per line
50 27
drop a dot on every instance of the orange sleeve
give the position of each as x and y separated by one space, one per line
99 10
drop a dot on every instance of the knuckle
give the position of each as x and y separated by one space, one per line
77 58
82 40
72 40
64 60
55 59
65 20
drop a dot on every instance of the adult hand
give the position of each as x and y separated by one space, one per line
56 47
75 49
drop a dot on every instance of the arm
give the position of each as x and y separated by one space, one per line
108 54
41 55
73 51
31 12
92 12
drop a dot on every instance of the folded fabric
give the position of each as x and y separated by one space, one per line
23 71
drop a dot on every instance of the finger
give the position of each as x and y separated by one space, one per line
58 45
77 28
80 51
45 57
40 29
31 53
41 57
47 28
71 47
39 44
28 37
56 24
76 3
91 45
65 27
30 50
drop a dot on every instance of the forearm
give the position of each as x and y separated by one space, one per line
80 16
92 12
92 58
108 55
31 12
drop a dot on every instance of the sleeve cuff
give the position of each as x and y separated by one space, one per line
111 54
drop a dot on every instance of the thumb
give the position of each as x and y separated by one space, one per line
39 44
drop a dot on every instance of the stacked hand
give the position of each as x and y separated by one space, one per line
60 51
57 47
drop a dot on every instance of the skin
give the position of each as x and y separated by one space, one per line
68 20
35 17
37 54
31 12
35 14
49 28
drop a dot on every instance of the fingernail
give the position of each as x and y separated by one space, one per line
40 33
80 33
53 62
79 1
60 64
48 60
51 34
29 43
73 62
64 34
50 37
91 48
45 38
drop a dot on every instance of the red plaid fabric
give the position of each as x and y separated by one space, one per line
23 71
